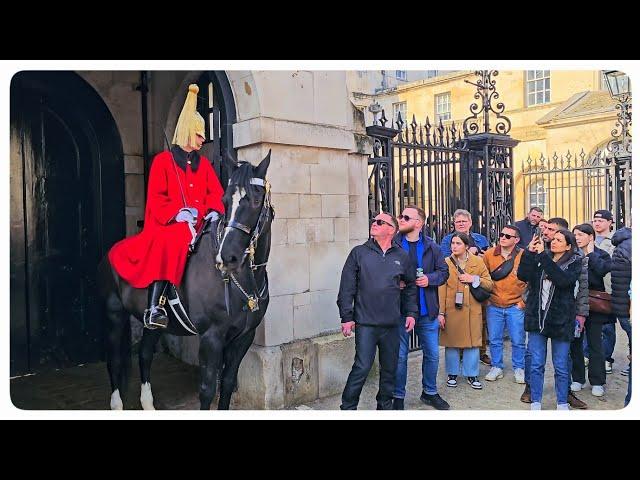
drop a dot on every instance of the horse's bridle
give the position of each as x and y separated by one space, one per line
267 209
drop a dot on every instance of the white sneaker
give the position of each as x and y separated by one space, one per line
562 406
577 386
518 375
597 390
536 406
494 374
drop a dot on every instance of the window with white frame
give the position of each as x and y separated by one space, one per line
538 87
443 106
401 108
538 195
401 75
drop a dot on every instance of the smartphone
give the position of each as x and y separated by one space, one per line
538 232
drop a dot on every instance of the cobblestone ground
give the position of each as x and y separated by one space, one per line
175 387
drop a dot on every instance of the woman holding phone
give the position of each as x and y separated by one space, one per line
550 310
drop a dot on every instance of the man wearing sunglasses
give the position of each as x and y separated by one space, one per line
370 298
432 272
506 304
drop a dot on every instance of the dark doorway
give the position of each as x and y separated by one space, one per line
67 209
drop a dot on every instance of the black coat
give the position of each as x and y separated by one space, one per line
370 292
559 319
599 266
526 232
621 272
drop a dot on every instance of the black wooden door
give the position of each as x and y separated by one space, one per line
56 229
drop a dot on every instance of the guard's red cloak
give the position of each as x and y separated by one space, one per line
159 252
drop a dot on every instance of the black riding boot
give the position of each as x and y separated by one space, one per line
156 316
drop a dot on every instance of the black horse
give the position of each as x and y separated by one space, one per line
224 287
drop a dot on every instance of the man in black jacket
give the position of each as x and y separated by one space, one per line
370 298
528 226
621 283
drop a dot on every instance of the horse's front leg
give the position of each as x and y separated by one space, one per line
233 355
210 358
147 346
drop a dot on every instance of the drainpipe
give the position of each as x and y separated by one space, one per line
144 88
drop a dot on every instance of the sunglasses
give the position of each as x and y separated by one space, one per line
507 236
406 218
380 222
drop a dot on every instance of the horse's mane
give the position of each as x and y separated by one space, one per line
241 177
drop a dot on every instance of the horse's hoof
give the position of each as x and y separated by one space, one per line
116 401
146 397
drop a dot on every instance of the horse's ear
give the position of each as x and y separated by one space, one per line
261 170
229 163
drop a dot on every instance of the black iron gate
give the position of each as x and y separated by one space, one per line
420 165
575 186
443 168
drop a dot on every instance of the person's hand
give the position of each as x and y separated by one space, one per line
422 281
409 324
212 216
441 321
466 278
186 215
473 250
581 321
402 284
347 327
535 245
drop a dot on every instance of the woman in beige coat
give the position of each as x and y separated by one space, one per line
460 314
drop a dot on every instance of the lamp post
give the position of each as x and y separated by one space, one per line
619 147
620 90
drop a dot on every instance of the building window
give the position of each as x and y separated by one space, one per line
538 87
399 108
401 75
443 106
538 195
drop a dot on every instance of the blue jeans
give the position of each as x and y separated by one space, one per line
514 319
537 347
368 338
628 397
470 361
527 362
609 336
427 330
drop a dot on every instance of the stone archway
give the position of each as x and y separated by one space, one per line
67 209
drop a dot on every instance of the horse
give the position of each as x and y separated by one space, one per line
224 288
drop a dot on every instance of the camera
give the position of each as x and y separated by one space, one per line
459 299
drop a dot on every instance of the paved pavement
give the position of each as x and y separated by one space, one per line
503 394
175 386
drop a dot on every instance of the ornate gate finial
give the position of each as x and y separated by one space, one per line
487 91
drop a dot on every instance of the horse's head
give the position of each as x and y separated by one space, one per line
248 210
